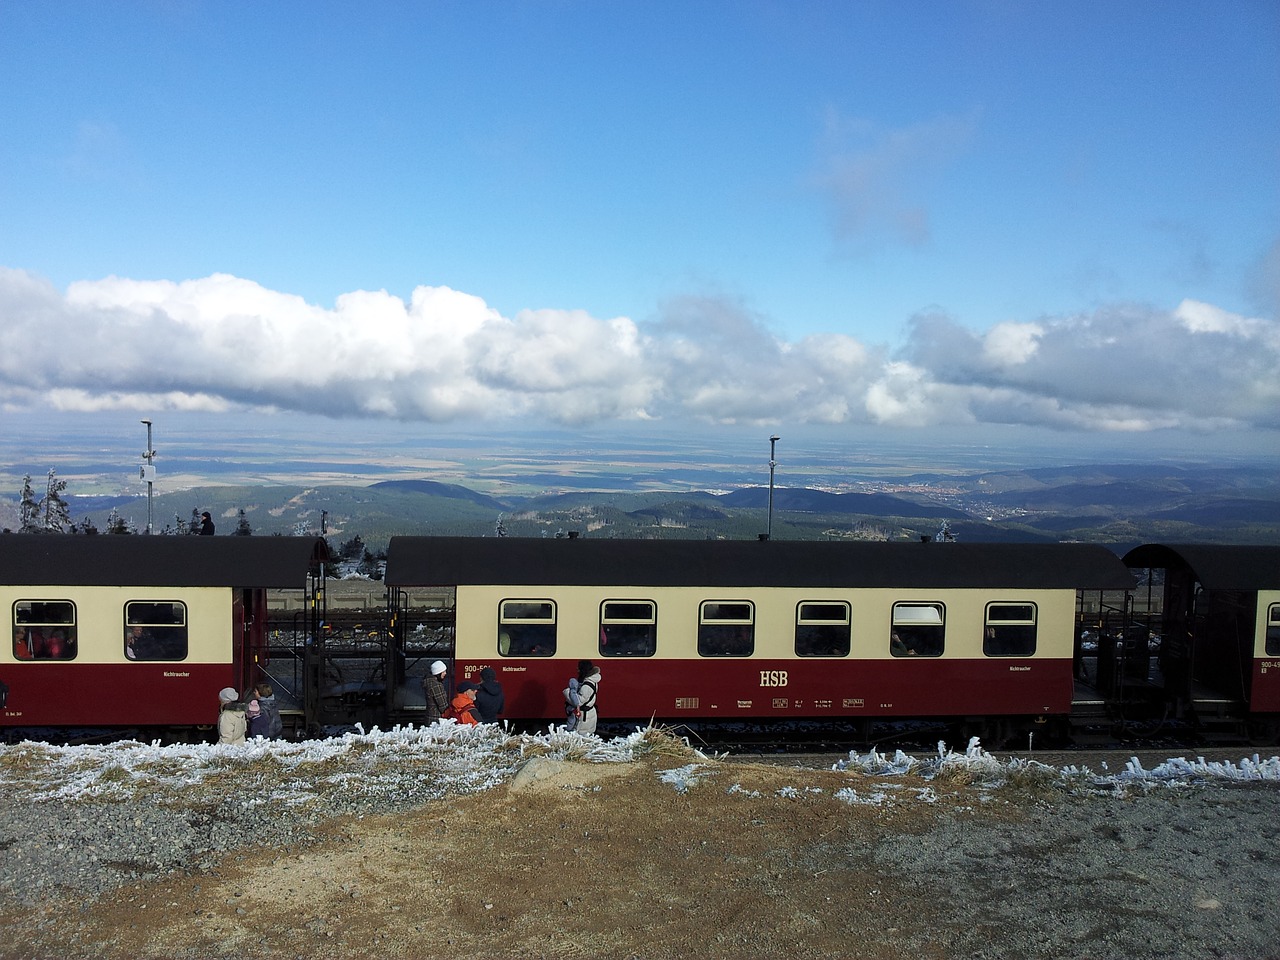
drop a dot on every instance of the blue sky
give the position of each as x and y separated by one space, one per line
828 214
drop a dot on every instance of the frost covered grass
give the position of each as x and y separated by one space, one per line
409 765
976 767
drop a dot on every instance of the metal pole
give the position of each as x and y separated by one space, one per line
772 463
150 477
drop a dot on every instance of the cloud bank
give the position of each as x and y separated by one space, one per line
224 343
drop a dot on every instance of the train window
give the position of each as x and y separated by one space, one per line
1010 630
527 628
918 630
822 629
1273 631
628 628
44 630
726 628
155 630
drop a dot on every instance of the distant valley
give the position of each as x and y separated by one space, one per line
1118 504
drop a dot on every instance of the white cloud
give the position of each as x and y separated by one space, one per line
1010 344
222 343
1121 368
1200 317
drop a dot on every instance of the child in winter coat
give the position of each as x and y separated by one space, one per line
257 723
572 703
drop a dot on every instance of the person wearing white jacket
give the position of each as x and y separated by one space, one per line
231 721
588 687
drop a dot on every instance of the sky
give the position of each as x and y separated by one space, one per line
984 217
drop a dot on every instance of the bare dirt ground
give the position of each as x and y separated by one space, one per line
607 860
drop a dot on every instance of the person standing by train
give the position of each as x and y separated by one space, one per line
490 700
588 686
255 721
437 691
463 707
231 719
266 697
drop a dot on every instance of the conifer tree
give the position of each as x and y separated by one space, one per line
116 523
56 514
29 509
352 549
242 525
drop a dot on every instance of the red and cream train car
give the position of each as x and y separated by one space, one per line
136 630
768 629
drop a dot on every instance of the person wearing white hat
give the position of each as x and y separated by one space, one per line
231 721
436 690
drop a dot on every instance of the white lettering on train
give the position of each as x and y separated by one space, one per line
773 678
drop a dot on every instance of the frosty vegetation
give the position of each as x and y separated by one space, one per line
422 763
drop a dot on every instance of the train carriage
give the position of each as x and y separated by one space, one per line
136 630
767 630
140 632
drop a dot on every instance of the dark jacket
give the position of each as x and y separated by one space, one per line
271 710
490 700
257 725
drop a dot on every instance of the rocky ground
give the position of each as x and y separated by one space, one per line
657 853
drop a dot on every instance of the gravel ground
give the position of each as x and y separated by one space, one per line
88 849
941 869
1178 874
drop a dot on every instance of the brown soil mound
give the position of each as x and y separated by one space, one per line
568 860
676 856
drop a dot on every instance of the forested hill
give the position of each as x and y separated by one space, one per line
1118 505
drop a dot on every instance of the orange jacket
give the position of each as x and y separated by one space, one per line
463 709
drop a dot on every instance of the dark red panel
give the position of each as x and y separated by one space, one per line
110 694
728 689
1265 697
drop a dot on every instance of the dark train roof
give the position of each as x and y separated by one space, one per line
157 561
1216 566
441 561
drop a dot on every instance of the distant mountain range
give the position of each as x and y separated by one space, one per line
1116 504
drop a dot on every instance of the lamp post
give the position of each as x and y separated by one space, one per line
772 463
149 473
